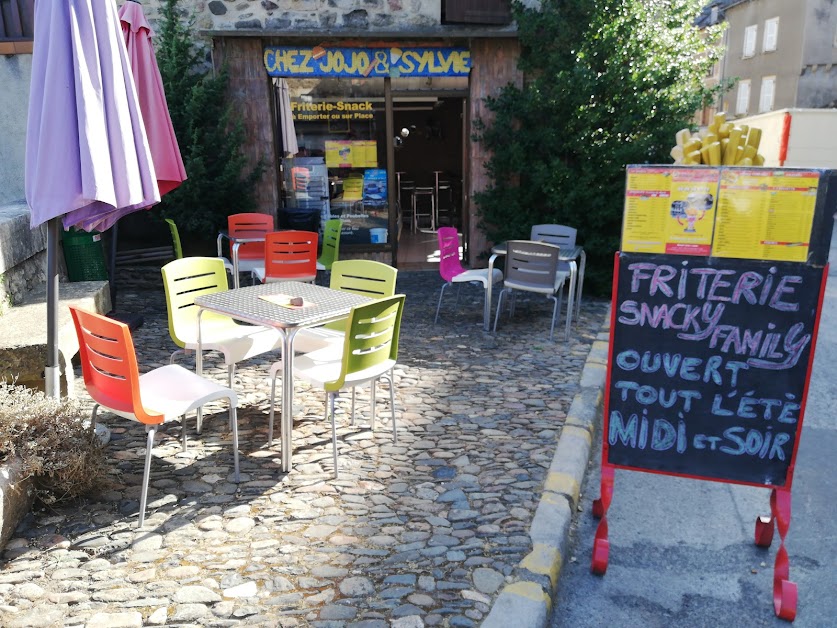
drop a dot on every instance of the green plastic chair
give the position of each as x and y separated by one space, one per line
358 276
175 239
368 353
331 244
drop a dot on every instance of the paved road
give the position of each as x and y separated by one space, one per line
682 552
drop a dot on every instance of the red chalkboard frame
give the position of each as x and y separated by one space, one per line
784 590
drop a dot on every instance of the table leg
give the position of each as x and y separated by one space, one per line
581 268
571 298
486 308
235 264
198 371
287 418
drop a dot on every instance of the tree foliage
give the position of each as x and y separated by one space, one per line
608 83
219 182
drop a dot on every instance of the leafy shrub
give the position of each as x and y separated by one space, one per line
209 132
62 454
608 83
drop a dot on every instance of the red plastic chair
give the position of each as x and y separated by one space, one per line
111 375
289 256
450 268
250 254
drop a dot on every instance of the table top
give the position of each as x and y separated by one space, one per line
322 305
567 253
238 239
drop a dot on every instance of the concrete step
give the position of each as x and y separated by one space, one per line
23 331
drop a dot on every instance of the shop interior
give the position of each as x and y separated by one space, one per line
340 169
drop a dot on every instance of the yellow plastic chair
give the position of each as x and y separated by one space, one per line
358 276
368 353
185 280
331 244
175 239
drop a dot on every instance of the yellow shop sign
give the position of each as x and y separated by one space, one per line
331 110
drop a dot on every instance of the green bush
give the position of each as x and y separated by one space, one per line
608 83
49 436
219 181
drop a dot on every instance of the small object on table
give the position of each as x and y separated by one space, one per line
297 301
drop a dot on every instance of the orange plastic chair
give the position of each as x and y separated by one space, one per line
289 255
111 375
250 254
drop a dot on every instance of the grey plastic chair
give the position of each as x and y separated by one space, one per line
532 267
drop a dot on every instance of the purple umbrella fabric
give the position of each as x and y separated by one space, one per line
88 158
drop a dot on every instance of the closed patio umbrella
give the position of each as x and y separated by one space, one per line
165 152
88 160
286 120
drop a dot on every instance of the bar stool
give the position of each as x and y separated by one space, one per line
444 187
424 193
405 193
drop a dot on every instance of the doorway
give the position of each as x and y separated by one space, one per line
429 166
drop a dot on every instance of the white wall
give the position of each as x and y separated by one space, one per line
15 73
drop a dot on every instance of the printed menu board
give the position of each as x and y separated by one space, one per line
756 213
670 210
765 214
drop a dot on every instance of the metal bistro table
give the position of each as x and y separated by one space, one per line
321 305
235 243
567 254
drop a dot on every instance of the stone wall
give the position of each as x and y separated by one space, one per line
22 254
309 14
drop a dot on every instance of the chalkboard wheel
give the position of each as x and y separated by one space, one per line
764 531
601 549
785 602
598 508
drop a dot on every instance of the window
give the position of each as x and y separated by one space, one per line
16 26
476 12
768 90
742 103
771 35
750 35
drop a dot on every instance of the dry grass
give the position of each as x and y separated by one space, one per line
50 437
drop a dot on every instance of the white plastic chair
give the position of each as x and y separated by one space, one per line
368 353
111 375
533 267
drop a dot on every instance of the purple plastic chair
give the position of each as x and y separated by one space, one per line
450 268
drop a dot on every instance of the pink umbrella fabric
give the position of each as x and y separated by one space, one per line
152 97
87 153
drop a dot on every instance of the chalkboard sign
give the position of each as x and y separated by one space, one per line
709 365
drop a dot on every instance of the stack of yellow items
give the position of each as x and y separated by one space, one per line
721 144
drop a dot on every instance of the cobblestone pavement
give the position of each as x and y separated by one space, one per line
422 533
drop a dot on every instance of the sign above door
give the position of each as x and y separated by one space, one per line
319 61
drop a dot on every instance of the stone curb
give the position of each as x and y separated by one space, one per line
527 602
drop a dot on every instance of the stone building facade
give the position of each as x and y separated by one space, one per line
239 32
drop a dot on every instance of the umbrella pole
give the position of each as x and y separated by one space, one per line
52 371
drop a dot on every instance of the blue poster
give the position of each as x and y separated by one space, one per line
375 187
